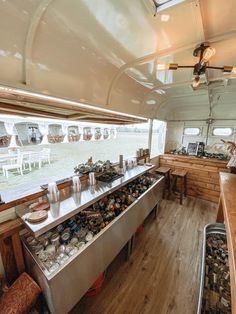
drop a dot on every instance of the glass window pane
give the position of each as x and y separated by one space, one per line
192 131
158 138
222 131
101 142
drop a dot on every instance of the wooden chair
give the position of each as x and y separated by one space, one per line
165 171
181 176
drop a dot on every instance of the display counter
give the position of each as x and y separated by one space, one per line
227 214
65 284
71 203
202 174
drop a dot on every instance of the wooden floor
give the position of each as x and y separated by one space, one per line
162 275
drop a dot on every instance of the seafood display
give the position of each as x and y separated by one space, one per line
55 247
109 176
216 296
98 166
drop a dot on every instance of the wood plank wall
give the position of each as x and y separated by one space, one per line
202 177
11 250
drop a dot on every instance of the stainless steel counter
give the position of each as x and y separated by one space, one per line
72 203
64 288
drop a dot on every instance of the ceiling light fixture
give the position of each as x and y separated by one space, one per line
208 53
196 82
204 52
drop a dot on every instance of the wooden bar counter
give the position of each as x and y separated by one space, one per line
202 174
227 214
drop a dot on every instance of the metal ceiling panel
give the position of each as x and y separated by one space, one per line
218 17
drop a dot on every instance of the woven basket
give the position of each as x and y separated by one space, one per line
20 297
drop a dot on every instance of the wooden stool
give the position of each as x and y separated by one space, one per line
165 171
182 175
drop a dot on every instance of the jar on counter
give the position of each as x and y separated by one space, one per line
51 250
65 236
60 228
55 239
89 236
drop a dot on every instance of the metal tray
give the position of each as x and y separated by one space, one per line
216 228
72 203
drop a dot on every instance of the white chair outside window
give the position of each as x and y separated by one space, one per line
35 158
46 155
27 160
18 165
3 163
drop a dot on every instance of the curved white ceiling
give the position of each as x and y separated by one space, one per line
105 52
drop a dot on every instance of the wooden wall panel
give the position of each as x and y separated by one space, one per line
11 250
202 176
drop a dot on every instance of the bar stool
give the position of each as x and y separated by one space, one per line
182 176
165 171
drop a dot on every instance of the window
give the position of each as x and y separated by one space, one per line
223 131
192 131
65 156
158 138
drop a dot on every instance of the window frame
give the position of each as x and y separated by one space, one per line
222 127
195 127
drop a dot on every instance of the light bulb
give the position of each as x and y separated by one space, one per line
233 70
162 66
208 53
196 82
170 66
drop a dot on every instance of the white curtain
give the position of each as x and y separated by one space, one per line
11 130
93 134
81 132
113 133
109 133
65 132
43 129
102 134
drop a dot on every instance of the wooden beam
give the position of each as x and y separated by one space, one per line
21 109
105 120
12 93
77 116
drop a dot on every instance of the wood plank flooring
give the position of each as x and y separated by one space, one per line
162 275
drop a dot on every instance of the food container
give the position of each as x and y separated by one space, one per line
55 239
214 275
51 250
